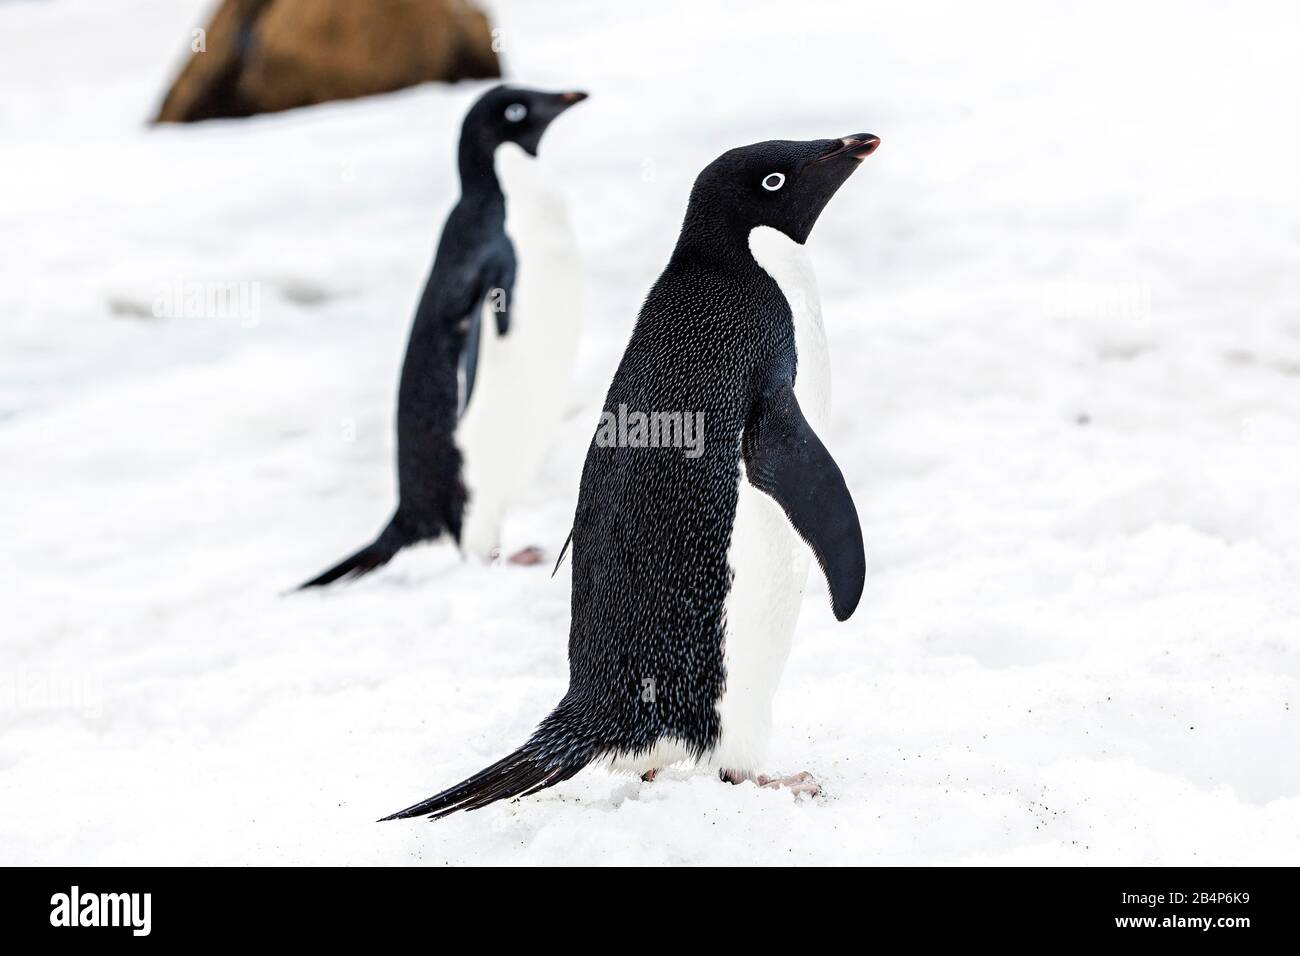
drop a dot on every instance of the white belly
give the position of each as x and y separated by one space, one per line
522 380
768 558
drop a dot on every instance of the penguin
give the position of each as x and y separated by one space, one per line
689 568
493 341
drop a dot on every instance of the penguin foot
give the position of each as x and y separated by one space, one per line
800 784
527 557
650 775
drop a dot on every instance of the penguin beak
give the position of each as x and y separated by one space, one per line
546 108
858 146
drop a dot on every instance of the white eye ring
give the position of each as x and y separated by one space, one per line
516 112
773 181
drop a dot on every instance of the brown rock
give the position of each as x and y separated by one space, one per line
268 55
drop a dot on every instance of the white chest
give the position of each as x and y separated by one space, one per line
787 262
522 380
768 559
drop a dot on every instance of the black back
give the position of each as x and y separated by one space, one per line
474 257
653 526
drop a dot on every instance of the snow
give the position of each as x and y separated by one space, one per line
1064 311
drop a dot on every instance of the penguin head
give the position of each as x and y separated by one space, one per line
784 184
511 114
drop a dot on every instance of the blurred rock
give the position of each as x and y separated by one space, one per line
260 56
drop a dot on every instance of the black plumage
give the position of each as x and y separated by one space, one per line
653 526
474 258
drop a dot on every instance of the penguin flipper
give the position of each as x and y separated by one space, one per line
493 287
503 281
785 459
469 360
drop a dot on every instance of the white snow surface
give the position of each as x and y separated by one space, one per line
1063 304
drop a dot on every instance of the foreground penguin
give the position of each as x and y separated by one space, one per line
688 568
493 343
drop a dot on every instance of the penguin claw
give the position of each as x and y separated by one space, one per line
650 775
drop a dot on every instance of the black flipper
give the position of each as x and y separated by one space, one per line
503 288
785 459
391 540
493 288
469 360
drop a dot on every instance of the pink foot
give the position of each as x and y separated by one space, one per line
650 775
528 557
800 784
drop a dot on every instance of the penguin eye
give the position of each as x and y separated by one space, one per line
773 181
516 112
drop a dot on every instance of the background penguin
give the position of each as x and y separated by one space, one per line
687 572
493 342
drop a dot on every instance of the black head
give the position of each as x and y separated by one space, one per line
506 114
784 184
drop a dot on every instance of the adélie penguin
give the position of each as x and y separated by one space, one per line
688 568
493 342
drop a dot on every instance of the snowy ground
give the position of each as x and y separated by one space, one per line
1064 307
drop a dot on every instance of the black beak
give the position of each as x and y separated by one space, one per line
547 107
858 146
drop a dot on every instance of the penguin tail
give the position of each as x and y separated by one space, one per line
526 771
374 555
